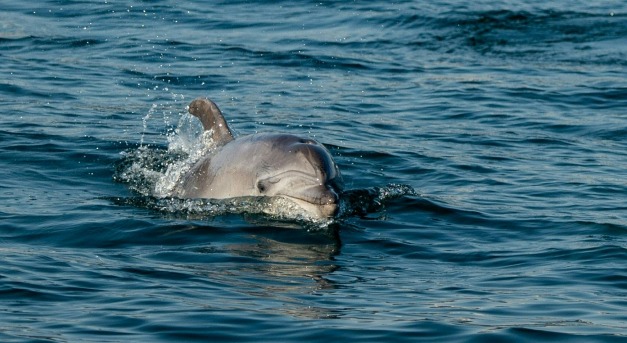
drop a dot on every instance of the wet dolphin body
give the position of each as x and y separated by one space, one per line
265 164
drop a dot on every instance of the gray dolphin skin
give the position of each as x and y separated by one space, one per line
264 164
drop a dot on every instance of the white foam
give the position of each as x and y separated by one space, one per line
188 139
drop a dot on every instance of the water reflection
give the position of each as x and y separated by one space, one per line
291 259
275 270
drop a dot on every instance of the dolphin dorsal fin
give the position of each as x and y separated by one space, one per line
212 119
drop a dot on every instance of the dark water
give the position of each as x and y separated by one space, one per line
509 119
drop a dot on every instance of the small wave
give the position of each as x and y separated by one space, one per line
371 200
523 33
300 59
547 34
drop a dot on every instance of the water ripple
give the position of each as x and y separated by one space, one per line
482 146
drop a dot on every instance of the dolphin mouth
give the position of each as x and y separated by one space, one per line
316 195
319 201
317 192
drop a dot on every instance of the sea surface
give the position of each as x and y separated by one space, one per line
483 145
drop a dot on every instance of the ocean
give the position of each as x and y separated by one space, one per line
483 147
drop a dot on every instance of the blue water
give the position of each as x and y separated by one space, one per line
508 120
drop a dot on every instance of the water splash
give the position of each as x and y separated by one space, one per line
363 202
153 172
274 210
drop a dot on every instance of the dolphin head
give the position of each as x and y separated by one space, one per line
301 170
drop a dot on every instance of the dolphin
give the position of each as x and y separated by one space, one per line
261 165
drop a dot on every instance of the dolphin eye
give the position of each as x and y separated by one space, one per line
261 187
